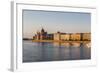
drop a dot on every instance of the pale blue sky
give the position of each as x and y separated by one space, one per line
68 22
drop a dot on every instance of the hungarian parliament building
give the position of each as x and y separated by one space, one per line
43 35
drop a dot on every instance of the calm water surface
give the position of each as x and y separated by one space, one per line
36 52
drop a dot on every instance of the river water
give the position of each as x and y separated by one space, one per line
43 51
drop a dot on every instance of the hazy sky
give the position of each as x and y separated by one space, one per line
68 22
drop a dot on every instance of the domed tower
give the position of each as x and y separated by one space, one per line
43 34
42 31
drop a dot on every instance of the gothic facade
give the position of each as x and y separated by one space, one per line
43 35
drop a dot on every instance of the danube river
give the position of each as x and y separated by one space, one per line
43 51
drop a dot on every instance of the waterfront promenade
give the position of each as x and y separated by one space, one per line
60 41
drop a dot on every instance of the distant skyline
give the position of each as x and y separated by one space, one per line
51 21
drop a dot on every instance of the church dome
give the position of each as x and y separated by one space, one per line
42 30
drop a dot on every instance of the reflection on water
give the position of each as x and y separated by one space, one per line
35 51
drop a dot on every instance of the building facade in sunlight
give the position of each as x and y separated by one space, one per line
61 36
76 36
86 36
